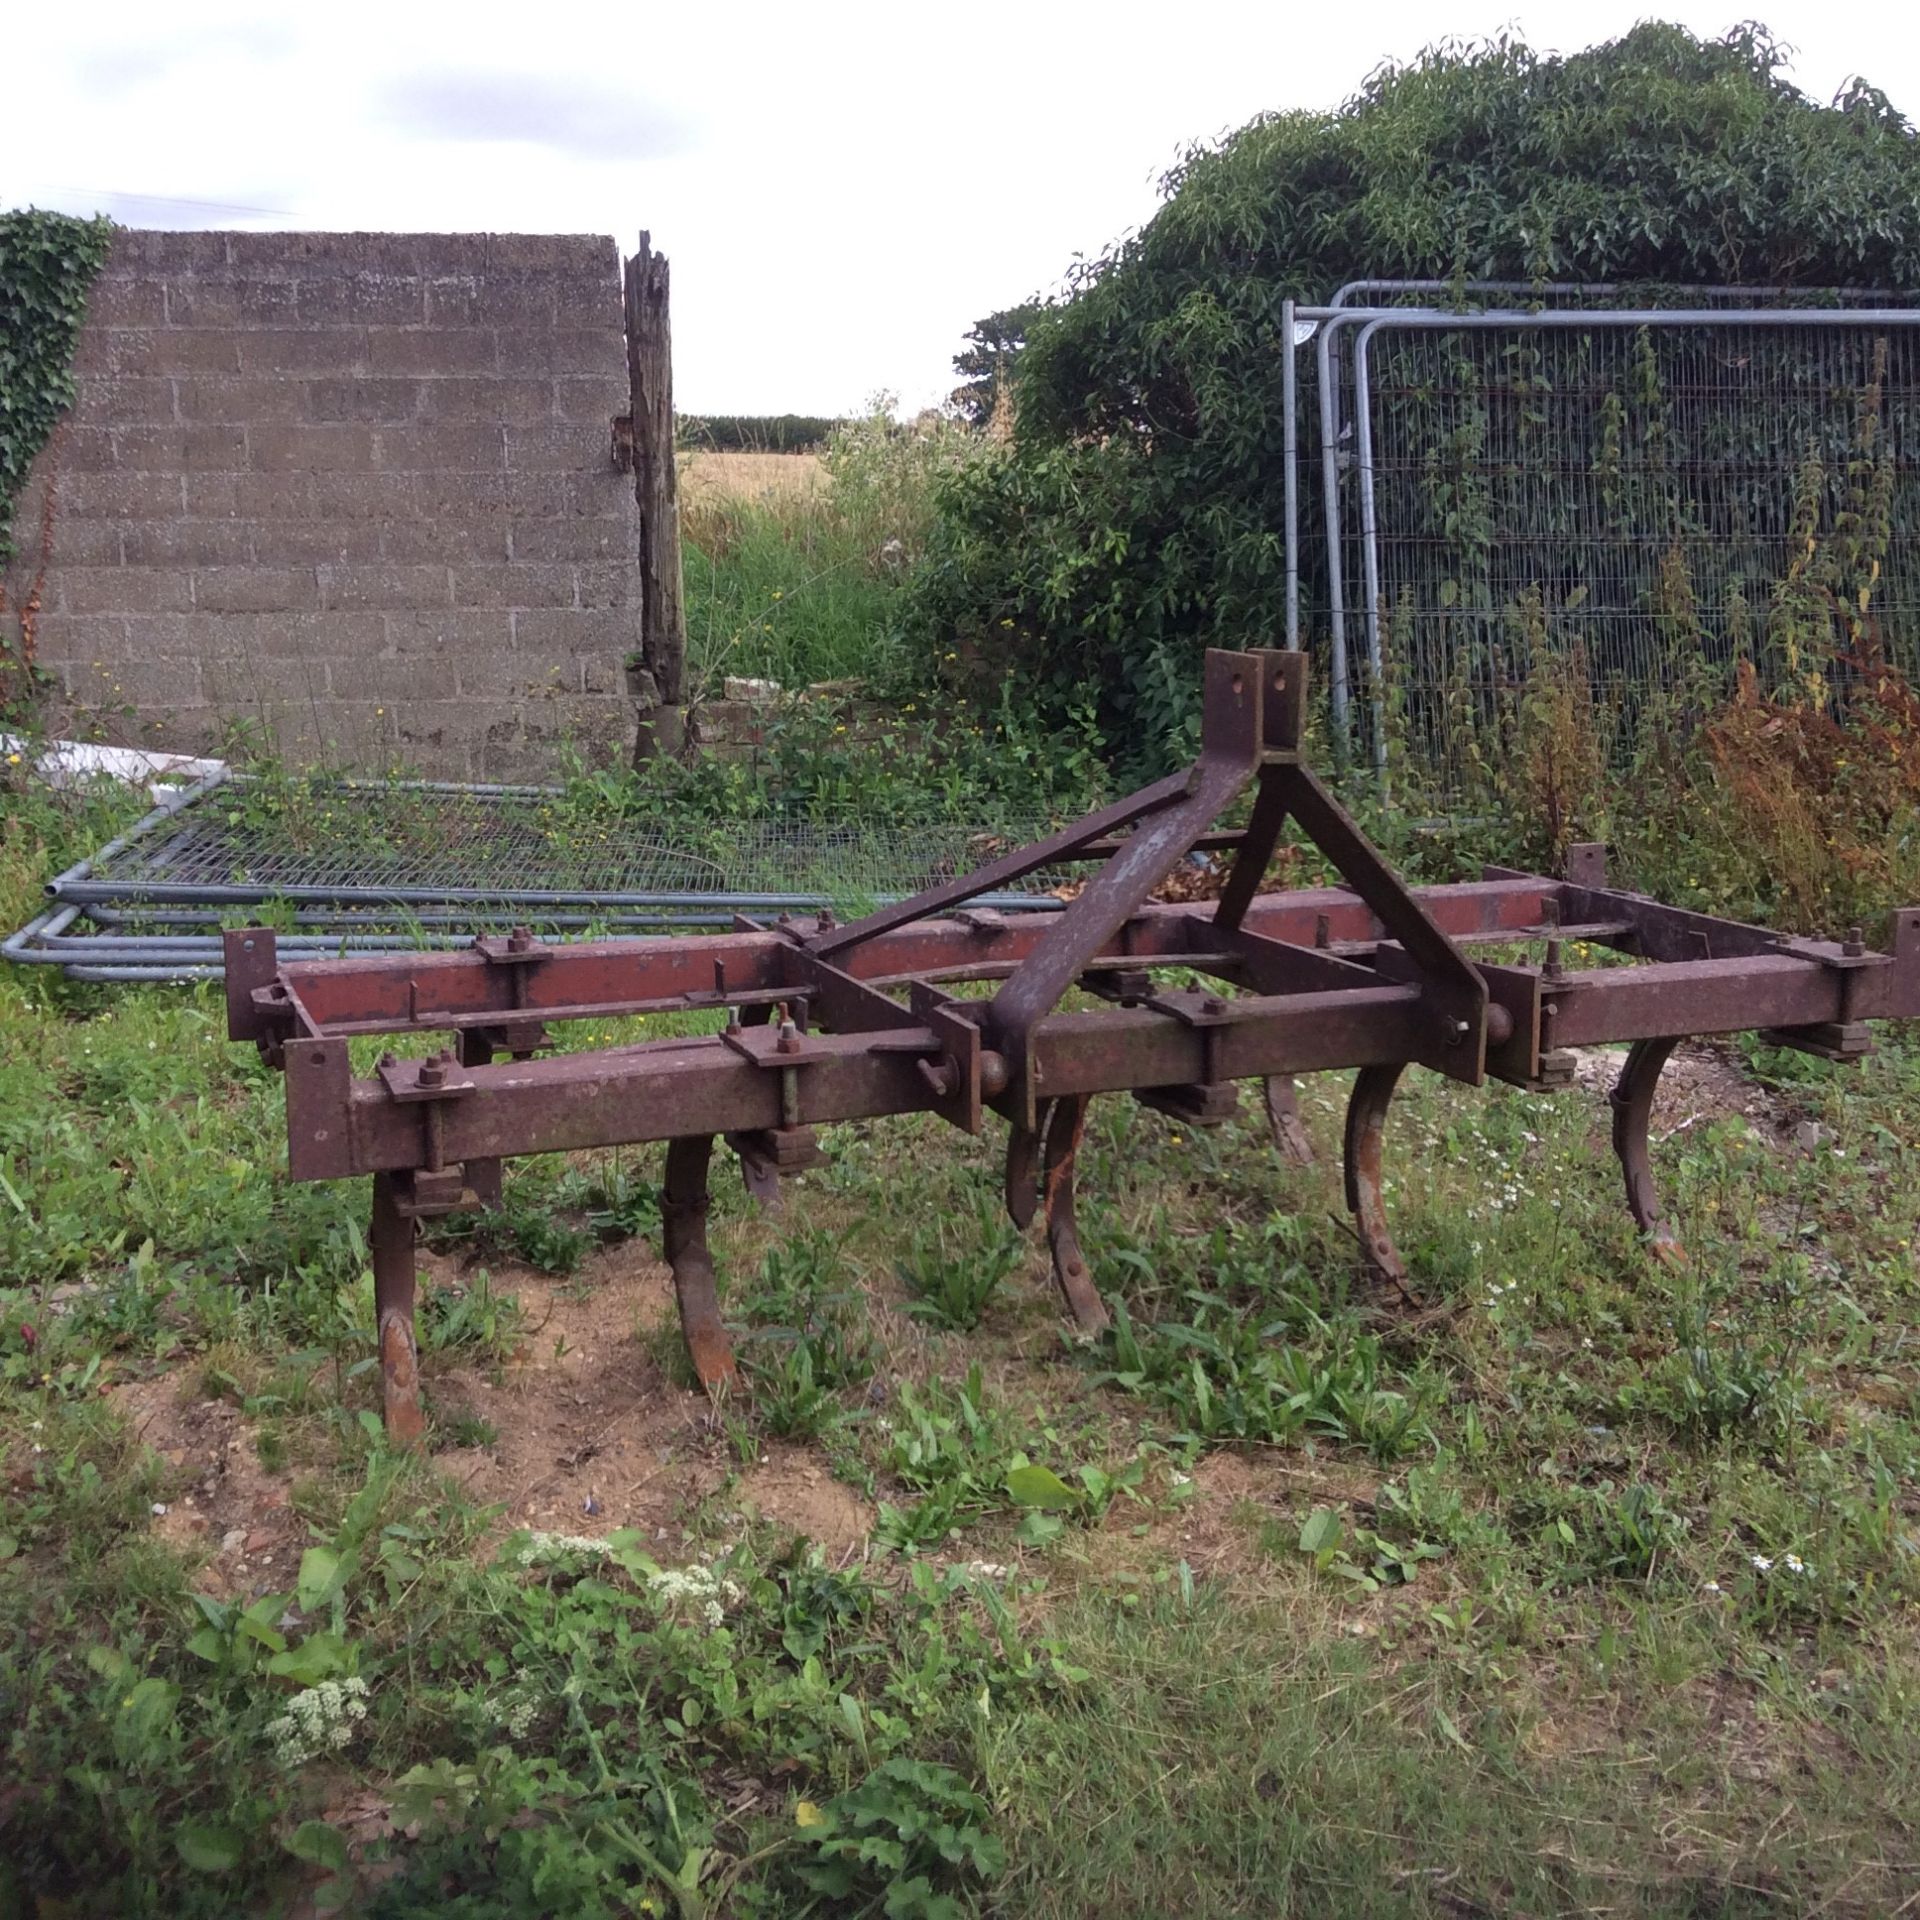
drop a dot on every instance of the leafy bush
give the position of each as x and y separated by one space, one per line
1138 515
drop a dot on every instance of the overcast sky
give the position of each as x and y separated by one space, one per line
842 188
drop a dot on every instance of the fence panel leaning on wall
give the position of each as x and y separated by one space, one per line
1645 492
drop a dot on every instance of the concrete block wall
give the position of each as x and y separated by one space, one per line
348 496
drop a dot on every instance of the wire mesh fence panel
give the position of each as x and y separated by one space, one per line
358 842
1645 503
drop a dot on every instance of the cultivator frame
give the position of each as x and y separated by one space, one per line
1371 974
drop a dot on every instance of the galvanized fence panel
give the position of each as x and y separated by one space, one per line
1652 479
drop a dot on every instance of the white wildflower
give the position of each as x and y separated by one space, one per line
513 1713
322 1719
1713 1586
1761 1563
698 1589
549 1546
1793 1563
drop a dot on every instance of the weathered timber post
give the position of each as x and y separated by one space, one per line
662 674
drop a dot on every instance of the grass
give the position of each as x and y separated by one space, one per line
1595 1592
793 562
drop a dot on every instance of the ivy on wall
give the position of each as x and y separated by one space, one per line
47 264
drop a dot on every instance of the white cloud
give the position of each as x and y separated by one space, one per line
843 187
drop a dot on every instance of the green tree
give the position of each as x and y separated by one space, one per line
987 363
1137 517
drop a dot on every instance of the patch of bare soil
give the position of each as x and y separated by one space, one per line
228 1506
589 1434
793 1489
1700 1084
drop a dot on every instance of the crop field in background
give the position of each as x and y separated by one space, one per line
1591 1587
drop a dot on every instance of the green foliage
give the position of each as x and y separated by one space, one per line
798 583
953 1268
47 264
986 363
1138 517
755 432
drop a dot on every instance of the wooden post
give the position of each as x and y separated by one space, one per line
662 674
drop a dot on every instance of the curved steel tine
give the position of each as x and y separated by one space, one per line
683 1230
1284 1122
1366 1126
390 1242
1023 1168
1631 1098
1066 1126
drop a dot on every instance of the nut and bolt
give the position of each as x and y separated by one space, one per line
520 940
1854 945
1212 1005
433 1070
1553 970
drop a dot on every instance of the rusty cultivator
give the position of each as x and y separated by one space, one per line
827 1022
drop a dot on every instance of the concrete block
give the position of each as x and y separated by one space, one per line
588 300
557 351
384 401
161 352
369 299
255 589
431 352
86 637
572 253
594 398
121 496
118 299
530 586
499 300
383 587
479 542
288 637
361 496
516 676
319 542
85 449
139 251
605 539
336 350
201 447
253 402
122 590
228 300
84 543
612 585
555 632
444 446
446 633
134 683
114 400
311 449
490 398
441 493
573 447
187 542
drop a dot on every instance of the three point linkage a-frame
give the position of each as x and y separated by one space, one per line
826 1022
